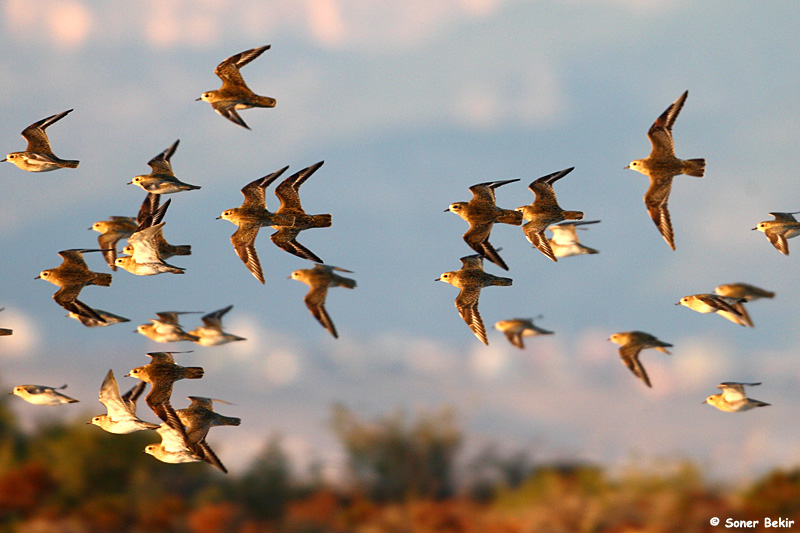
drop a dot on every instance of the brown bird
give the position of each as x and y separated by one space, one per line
234 93
481 212
319 279
471 278
161 373
71 276
633 342
198 419
251 216
288 192
662 165
545 211
38 156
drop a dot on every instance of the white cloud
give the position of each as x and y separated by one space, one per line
24 339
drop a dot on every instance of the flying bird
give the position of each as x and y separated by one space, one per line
198 419
517 328
106 318
712 303
784 227
471 278
172 448
251 216
662 165
288 192
42 395
631 343
234 93
481 212
210 333
733 398
162 179
545 211
38 156
161 373
166 328
565 243
121 410
72 275
319 279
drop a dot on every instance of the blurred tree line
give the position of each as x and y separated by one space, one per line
404 474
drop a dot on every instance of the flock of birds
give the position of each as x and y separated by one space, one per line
184 431
545 214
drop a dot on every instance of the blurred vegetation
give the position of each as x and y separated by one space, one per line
404 474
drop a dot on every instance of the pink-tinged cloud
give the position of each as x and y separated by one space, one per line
65 23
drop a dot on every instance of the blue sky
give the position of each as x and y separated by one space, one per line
409 104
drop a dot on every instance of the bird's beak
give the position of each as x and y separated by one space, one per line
197 99
438 279
446 210
129 183
626 167
704 401
677 303
4 160
219 217
753 228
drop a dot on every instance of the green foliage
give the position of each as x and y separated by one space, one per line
393 458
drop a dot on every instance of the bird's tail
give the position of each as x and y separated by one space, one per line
759 403
321 221
194 372
504 282
573 215
229 420
182 249
694 167
264 101
103 280
345 282
70 163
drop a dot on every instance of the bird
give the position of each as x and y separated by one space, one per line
121 410
146 259
166 328
162 179
42 395
712 303
198 419
564 242
662 165
545 211
106 318
481 212
319 279
784 227
5 331
72 275
631 343
210 333
471 278
288 192
517 328
172 448
733 398
161 373
250 217
38 156
234 93
743 291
